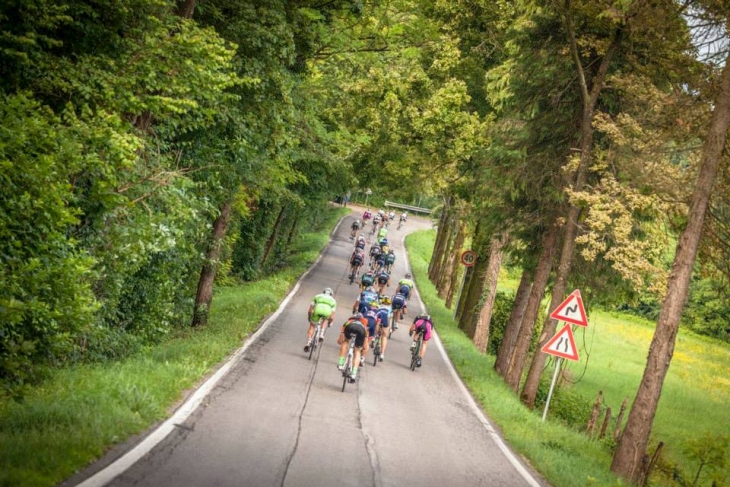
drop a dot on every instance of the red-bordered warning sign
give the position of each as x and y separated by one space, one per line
468 258
562 345
571 310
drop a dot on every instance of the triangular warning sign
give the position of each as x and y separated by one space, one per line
562 345
571 310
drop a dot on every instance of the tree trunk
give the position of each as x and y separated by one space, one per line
516 362
632 445
446 254
461 304
204 296
470 311
443 237
439 243
293 230
513 324
274 233
187 9
481 328
451 261
454 265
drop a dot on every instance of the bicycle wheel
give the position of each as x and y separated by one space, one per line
315 342
415 354
376 351
352 276
346 373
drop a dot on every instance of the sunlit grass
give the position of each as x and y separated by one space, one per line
79 412
613 351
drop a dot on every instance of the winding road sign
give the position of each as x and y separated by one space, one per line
571 310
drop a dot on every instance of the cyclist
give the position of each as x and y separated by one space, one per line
391 216
374 252
356 260
384 311
389 260
405 285
363 300
383 279
366 216
421 324
404 216
371 316
399 305
376 222
354 326
360 244
384 246
322 306
382 233
380 262
354 228
368 279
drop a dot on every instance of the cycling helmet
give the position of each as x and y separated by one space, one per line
373 304
385 300
370 288
408 275
328 291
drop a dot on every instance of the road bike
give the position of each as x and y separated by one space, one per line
377 344
416 350
375 228
347 371
393 323
354 272
318 334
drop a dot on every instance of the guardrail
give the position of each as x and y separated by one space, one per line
407 207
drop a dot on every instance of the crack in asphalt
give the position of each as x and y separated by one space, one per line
301 416
369 445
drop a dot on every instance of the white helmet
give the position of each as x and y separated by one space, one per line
328 291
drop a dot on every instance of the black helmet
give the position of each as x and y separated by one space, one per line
408 275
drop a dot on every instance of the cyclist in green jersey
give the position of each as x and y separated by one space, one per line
322 306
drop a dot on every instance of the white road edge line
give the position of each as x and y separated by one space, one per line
472 403
120 465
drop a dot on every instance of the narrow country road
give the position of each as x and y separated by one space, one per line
278 419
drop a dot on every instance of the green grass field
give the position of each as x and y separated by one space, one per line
613 351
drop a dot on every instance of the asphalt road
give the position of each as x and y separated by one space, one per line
278 419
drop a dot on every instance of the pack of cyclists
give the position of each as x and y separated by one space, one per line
374 310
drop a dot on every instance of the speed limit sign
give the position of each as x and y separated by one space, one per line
468 258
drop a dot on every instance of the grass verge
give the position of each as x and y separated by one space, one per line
613 357
79 412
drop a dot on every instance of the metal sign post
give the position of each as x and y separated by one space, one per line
552 386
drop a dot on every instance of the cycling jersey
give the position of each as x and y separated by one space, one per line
375 249
390 258
407 282
383 278
366 297
355 225
383 232
368 279
357 257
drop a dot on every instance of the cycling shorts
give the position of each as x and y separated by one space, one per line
398 302
372 322
321 310
356 329
383 279
356 261
425 327
384 317
405 290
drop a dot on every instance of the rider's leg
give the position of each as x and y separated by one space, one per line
383 339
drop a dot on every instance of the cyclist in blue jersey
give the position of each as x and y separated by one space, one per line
362 303
383 313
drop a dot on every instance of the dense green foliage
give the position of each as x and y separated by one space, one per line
124 128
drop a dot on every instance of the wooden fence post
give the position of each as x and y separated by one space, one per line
594 414
606 420
619 418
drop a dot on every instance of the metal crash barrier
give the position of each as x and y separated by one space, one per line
407 207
